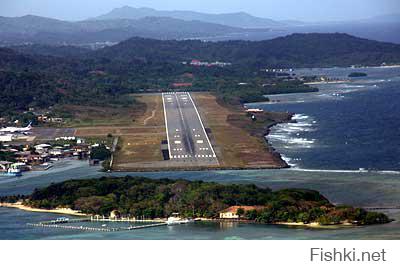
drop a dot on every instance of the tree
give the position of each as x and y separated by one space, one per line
100 152
240 212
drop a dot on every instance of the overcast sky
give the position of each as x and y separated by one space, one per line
306 10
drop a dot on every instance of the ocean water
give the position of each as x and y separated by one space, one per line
339 130
346 126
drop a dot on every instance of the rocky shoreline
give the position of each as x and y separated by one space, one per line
271 148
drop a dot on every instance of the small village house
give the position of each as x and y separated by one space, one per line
231 212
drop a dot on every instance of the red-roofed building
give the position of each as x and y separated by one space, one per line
195 62
231 212
177 85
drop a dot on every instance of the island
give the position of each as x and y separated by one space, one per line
357 74
142 197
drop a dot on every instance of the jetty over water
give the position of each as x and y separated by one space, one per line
372 208
73 224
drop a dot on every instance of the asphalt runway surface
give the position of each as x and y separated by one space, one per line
49 134
188 142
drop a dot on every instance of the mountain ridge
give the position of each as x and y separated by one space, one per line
36 29
236 19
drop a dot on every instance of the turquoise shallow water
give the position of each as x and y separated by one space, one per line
13 226
361 189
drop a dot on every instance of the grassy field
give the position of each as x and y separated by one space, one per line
103 116
140 128
141 141
139 148
238 140
144 116
143 112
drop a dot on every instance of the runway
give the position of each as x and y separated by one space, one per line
188 142
49 134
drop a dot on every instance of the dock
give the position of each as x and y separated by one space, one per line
64 224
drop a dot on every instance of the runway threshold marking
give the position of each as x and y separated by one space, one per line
166 126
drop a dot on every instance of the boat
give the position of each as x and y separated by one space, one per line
42 167
175 219
12 172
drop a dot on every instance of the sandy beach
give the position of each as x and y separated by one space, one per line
314 225
63 211
327 82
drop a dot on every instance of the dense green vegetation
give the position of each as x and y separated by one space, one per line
293 51
255 90
138 196
357 74
100 152
105 77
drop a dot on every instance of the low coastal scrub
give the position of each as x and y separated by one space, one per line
143 197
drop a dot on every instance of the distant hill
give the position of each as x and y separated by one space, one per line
296 50
43 76
239 19
34 29
386 18
30 24
124 23
382 28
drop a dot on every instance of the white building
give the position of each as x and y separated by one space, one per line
6 138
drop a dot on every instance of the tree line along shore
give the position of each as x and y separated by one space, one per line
143 197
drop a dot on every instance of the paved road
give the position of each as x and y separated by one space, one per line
187 140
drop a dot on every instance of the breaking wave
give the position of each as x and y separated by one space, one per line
291 135
295 168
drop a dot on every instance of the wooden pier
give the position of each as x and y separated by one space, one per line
372 208
63 224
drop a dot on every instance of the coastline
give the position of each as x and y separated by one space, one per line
283 164
327 82
70 212
314 225
62 211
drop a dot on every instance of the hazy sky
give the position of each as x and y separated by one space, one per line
307 10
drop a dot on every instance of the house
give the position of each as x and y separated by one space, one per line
177 85
42 147
231 212
56 152
6 138
254 110
29 158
